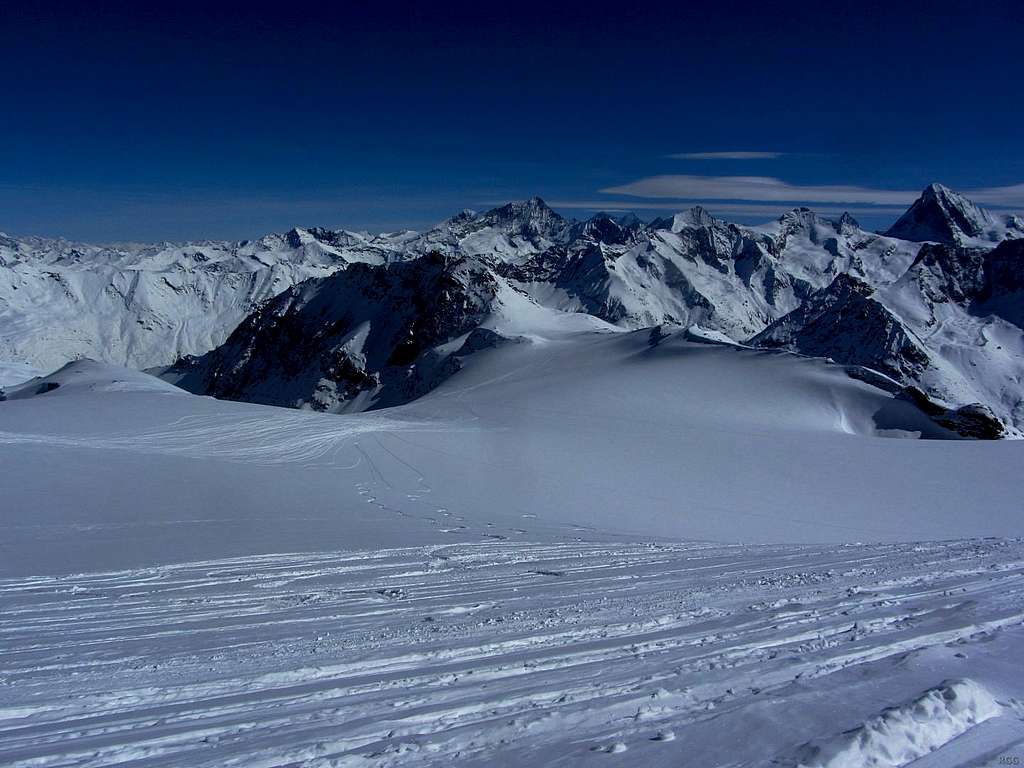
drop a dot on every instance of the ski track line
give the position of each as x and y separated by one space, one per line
426 655
286 439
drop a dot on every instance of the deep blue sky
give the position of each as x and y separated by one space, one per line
151 121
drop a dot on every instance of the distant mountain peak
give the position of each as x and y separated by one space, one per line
936 190
534 205
941 215
529 218
605 228
847 224
804 222
697 216
801 217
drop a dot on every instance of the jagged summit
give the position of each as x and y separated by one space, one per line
697 216
354 335
811 284
807 220
604 228
846 322
502 231
941 215
846 224
531 217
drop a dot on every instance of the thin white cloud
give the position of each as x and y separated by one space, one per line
732 155
767 210
761 188
1010 197
768 189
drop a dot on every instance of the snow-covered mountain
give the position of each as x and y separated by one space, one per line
845 321
940 215
339 321
580 542
147 305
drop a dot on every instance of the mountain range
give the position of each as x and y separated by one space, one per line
931 310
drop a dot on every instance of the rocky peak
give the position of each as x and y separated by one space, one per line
941 215
532 220
695 217
949 272
296 237
847 225
806 222
533 215
604 229
845 285
845 322
369 332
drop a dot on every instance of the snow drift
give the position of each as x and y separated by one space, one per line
900 735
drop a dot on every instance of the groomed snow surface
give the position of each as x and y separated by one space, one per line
584 549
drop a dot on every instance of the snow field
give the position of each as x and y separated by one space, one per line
498 653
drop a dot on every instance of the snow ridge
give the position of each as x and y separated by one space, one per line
902 734
944 317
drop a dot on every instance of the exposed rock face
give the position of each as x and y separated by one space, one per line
949 273
979 280
532 220
602 228
1004 271
368 333
942 216
848 324
1002 293
697 269
974 421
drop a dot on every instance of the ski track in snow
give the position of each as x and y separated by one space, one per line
482 653
292 437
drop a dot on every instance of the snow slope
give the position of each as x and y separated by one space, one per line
590 432
148 305
372 336
495 573
12 374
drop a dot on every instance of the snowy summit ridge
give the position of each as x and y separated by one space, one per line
940 215
933 303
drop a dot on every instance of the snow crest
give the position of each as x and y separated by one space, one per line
900 735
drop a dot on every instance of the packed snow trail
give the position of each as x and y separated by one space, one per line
499 653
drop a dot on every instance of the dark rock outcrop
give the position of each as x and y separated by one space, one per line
844 322
974 421
370 331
